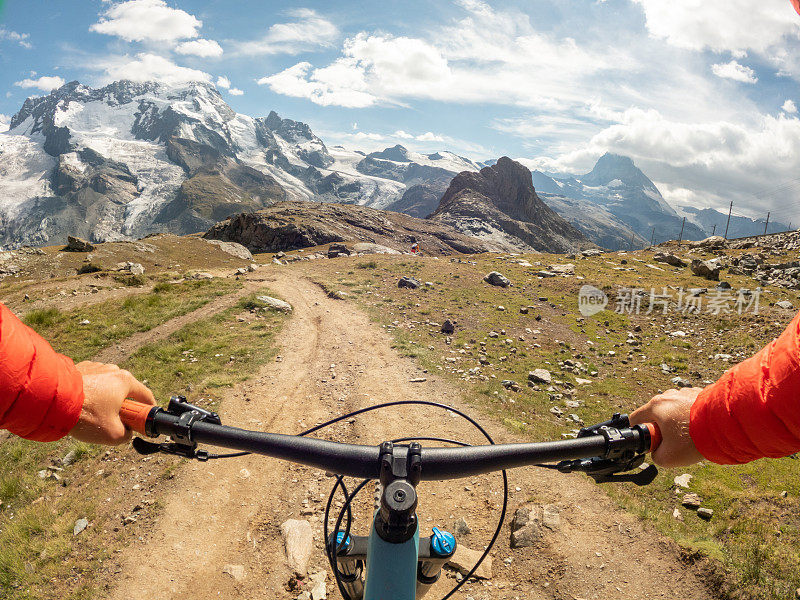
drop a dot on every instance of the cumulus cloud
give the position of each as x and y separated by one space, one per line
487 56
702 157
223 82
202 48
147 20
148 67
307 32
789 107
13 36
736 26
429 136
734 70
235 92
5 120
44 83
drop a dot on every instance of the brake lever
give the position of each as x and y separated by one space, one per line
145 448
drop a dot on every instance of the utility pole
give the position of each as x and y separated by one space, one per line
766 224
653 238
680 239
730 210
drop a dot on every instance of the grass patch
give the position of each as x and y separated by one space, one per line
39 556
70 334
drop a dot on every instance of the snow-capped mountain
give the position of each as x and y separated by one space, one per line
715 222
130 159
625 196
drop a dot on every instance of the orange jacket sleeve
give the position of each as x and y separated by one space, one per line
753 411
41 391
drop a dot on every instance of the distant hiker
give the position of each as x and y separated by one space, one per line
414 246
44 396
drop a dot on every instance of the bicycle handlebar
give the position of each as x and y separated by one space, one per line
361 461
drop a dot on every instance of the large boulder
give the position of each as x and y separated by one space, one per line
715 241
705 268
670 259
233 249
76 244
497 279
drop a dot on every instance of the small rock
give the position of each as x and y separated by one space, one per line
464 559
723 285
705 513
498 279
417 380
669 259
677 514
680 382
85 322
408 282
683 481
275 303
461 527
318 587
551 517
523 310
784 304
298 540
70 458
235 571
540 376
448 327
691 501
80 525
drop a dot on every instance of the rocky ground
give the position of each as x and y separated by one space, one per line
520 357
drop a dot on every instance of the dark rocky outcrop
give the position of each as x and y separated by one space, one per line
422 199
294 225
499 204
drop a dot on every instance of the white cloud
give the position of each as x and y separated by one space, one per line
487 56
703 157
328 88
429 136
44 83
148 67
308 32
789 107
734 70
147 20
13 36
721 25
202 48
402 135
5 120
223 82
235 92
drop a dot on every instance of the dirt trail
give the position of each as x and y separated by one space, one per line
334 360
125 348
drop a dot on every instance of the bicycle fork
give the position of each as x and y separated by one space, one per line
394 564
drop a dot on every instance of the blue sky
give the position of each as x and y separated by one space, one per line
704 96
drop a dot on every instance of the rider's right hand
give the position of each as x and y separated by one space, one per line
670 411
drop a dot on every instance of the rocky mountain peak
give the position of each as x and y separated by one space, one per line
617 169
507 183
499 203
